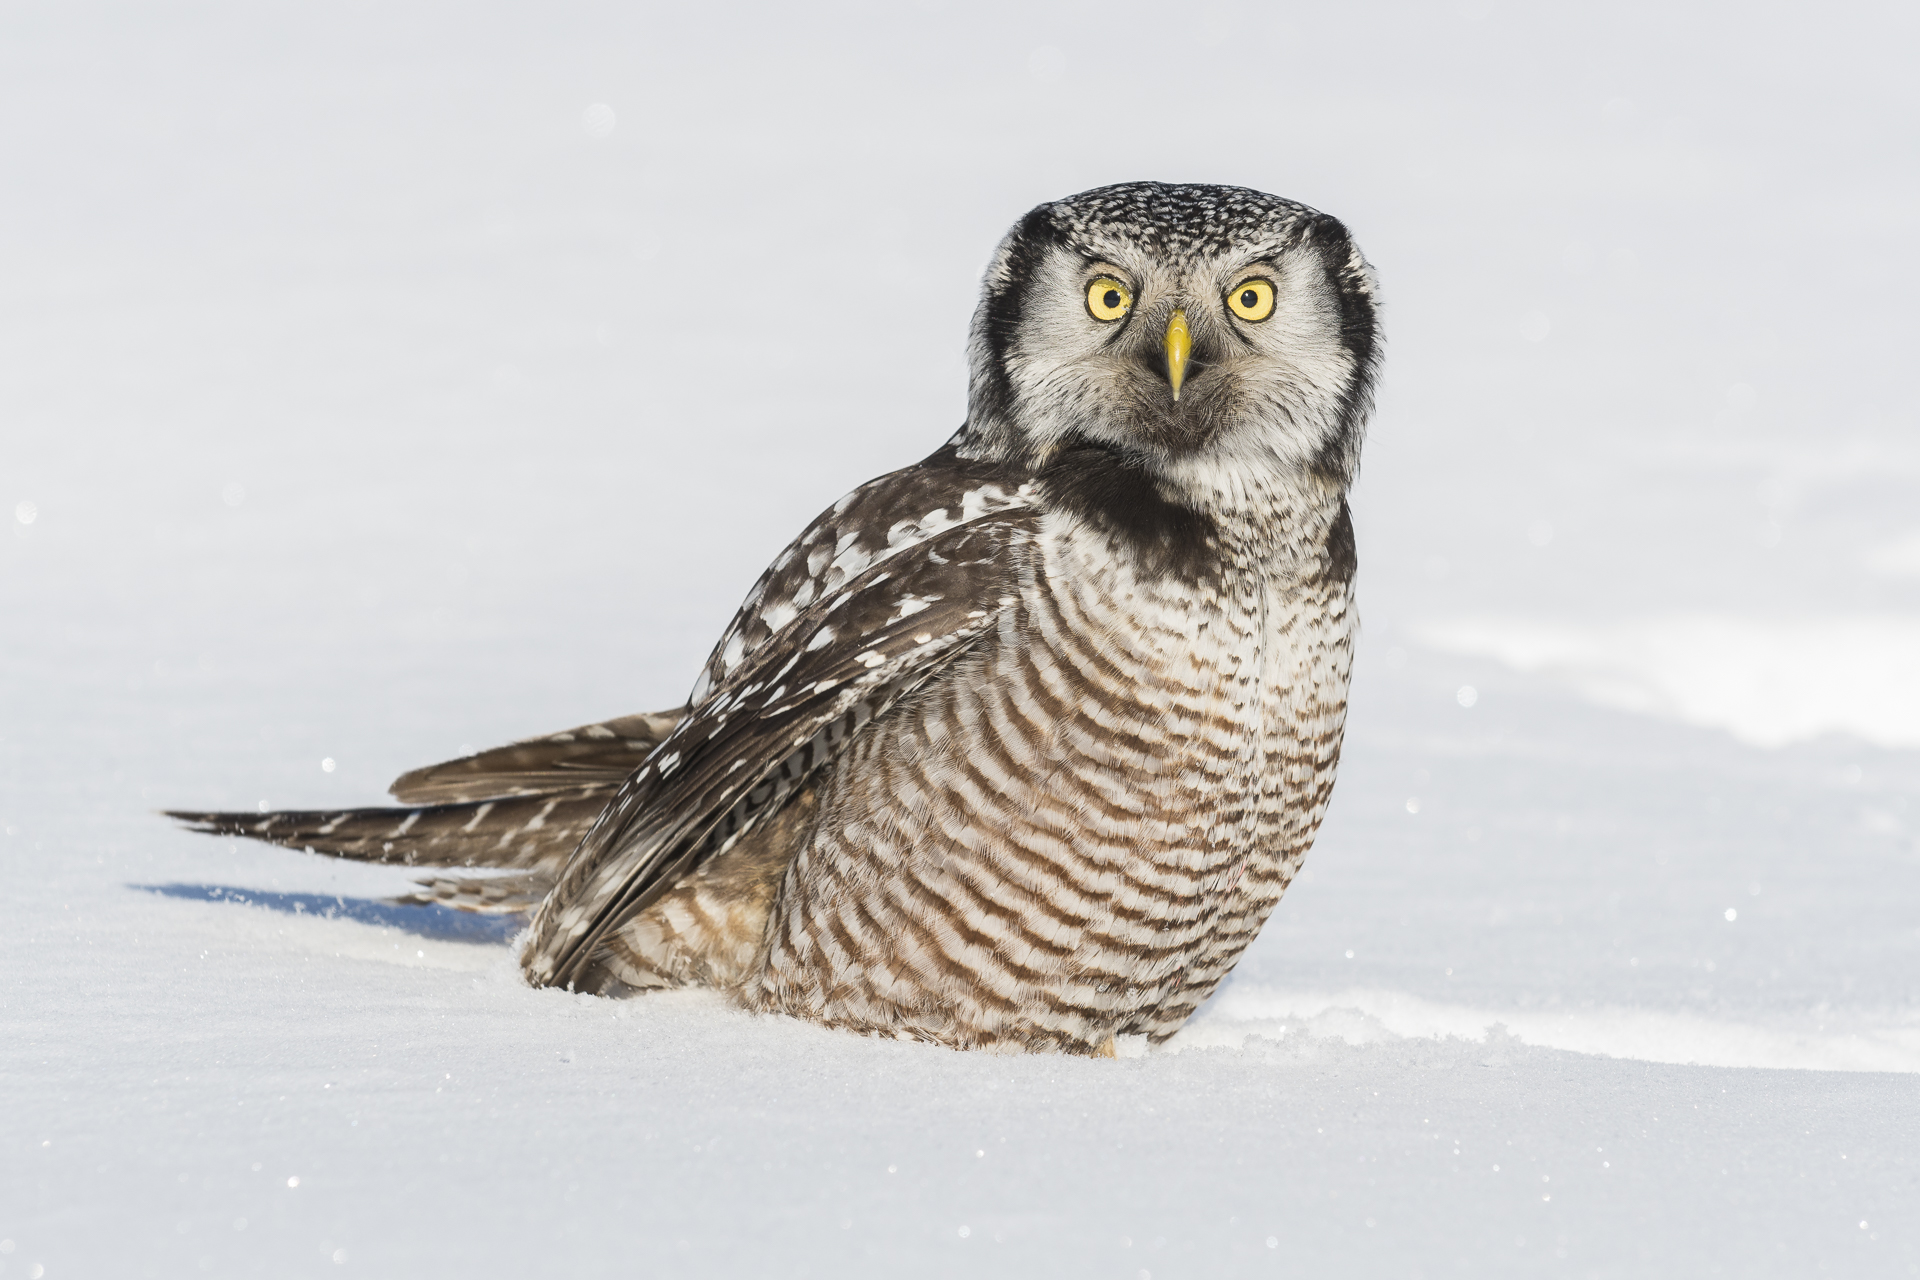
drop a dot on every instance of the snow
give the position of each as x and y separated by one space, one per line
379 382
1767 682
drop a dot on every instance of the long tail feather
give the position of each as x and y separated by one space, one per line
530 832
524 806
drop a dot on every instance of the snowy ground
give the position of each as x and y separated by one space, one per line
378 381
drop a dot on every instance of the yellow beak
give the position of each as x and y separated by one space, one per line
1179 343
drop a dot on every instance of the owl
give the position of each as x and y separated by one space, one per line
1015 748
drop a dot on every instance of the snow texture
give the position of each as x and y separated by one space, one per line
381 381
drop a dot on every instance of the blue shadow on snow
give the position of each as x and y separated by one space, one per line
439 923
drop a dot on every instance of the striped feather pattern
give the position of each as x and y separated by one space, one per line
534 832
592 753
802 697
1076 832
523 806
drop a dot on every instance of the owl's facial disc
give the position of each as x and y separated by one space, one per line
1129 350
1179 360
1197 331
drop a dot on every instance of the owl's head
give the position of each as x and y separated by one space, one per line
1201 332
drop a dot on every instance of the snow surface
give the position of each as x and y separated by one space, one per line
382 381
1769 683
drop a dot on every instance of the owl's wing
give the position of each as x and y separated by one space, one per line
593 753
876 522
788 705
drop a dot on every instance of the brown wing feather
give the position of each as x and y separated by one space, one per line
605 752
529 805
844 659
883 518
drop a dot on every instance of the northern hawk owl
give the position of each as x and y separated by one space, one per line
1018 746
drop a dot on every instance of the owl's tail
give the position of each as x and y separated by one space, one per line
523 807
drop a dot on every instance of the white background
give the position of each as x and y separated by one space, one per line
364 397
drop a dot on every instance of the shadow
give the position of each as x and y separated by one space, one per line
438 923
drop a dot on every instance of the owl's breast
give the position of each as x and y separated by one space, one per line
1213 701
1065 830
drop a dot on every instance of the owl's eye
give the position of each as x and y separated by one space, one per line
1251 300
1108 299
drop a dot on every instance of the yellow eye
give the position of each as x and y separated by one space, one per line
1108 299
1251 299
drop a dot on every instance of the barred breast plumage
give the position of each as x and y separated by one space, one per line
1017 747
1074 834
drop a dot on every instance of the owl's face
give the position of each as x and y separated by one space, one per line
1192 328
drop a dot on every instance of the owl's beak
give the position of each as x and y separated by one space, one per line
1179 344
